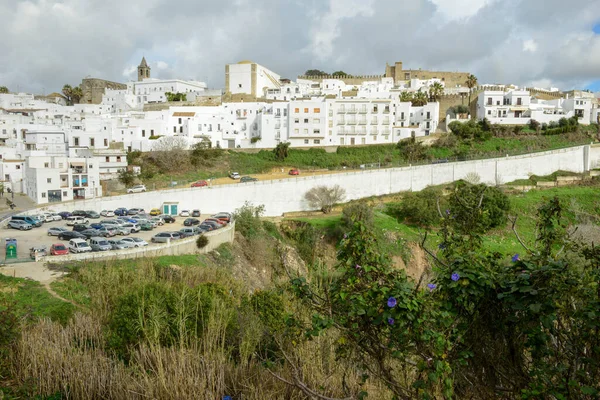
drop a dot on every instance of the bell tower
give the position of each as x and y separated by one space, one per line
143 70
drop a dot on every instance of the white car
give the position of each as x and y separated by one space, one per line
137 189
164 237
79 246
107 213
184 213
235 175
51 217
135 241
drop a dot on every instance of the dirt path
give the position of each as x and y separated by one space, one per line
53 293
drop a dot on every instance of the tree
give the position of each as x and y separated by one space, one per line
324 198
76 94
436 91
418 208
67 91
420 98
471 83
126 177
4 89
315 72
405 97
176 96
281 151
340 73
411 150
203 155
169 154
358 212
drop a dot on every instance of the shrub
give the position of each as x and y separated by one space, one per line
358 212
202 241
324 198
418 208
255 139
247 219
533 124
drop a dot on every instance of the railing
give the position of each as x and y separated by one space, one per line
352 111
386 122
362 111
350 122
362 122
341 111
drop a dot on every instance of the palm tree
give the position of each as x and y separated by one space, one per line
471 83
3 89
405 97
76 94
281 151
420 99
67 90
436 91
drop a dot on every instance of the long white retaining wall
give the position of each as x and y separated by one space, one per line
179 247
286 195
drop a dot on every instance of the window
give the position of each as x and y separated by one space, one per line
92 142
285 112
18 167
489 112
218 127
305 141
152 132
489 101
76 141
43 195
106 159
106 142
174 129
296 110
181 129
60 165
317 110
239 85
306 110
143 133
305 131
317 131
317 141
179 119
64 194
46 165
330 133
118 158
374 109
48 180
306 120
296 131
297 120
316 121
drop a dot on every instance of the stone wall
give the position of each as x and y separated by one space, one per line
93 89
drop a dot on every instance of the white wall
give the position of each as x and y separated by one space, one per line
280 196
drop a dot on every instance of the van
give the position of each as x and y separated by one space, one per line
31 221
133 228
100 244
79 246
74 220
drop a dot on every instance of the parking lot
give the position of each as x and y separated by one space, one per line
38 237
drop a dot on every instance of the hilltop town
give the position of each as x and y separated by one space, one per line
62 146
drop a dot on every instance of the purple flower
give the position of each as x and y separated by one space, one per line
431 286
391 321
357 266
442 246
345 236
455 277
392 302
447 212
516 258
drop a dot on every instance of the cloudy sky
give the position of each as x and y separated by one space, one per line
47 43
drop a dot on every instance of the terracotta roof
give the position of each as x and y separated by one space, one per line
184 114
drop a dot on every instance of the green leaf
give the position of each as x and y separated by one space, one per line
535 307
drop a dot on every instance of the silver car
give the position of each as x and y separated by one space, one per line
21 225
119 244
56 231
165 237
135 241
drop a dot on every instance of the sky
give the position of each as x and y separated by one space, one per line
48 43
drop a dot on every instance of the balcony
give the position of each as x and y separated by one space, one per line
374 122
241 115
341 111
277 115
362 122
350 122
352 111
386 122
340 122
386 111
362 111
361 131
374 132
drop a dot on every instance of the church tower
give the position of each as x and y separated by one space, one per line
143 70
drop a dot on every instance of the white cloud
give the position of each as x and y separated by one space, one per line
162 65
130 72
530 45
458 9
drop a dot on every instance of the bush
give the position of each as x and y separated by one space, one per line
202 241
324 198
533 124
418 208
247 219
358 212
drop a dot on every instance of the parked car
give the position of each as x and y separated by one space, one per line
26 218
58 249
100 244
133 228
92 214
107 213
79 246
159 221
199 184
191 222
120 211
245 179
195 213
76 219
21 225
51 217
137 189
40 219
107 231
191 231
121 230
70 235
218 221
135 241
146 226
57 230
119 244
112 222
65 214
234 175
222 216
155 212
97 225
90 233
294 171
81 227
167 218
164 237
135 211
78 213
126 220
207 227
184 213
213 224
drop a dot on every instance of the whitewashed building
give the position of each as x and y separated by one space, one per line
250 78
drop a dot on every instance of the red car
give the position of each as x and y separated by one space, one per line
58 249
294 171
218 221
199 184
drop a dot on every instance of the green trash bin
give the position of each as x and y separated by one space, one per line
11 248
